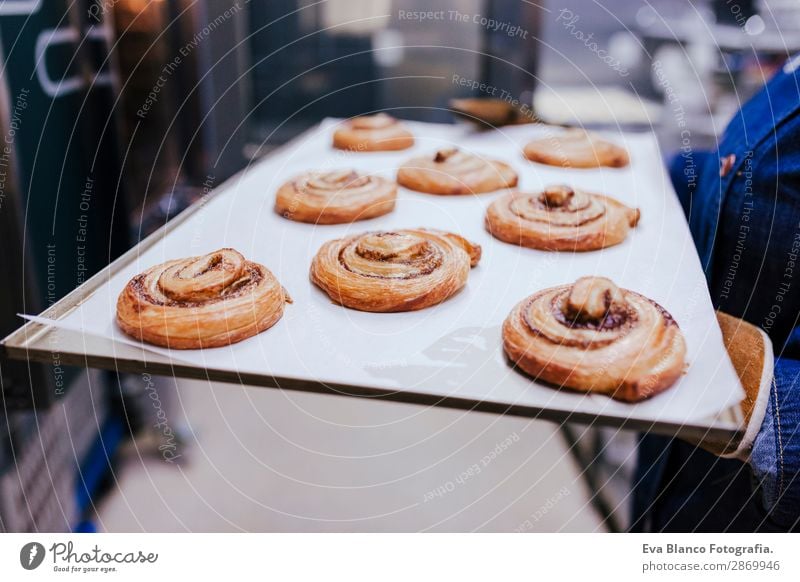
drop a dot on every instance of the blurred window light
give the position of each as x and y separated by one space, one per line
355 17
754 25
388 47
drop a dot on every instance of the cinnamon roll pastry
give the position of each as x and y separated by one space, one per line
201 302
451 172
335 197
560 219
402 270
373 133
576 148
595 337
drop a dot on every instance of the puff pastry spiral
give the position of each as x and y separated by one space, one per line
373 133
402 270
576 148
452 172
595 337
335 197
201 302
559 219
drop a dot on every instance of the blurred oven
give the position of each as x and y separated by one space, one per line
63 218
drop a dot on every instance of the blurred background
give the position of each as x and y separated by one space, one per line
118 114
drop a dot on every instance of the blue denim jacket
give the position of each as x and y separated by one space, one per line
743 207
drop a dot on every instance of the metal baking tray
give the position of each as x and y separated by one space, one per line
449 355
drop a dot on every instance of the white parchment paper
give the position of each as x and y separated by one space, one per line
453 349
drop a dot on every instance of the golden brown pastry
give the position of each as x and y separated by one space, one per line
401 270
372 133
451 172
595 337
576 148
201 302
560 219
335 197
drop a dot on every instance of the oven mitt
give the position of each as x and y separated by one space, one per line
750 351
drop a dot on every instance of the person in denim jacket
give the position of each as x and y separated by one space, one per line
743 207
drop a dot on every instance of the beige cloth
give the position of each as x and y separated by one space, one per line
750 350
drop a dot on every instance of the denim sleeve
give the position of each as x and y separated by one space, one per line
685 173
776 451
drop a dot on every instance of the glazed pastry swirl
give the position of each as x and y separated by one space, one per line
401 270
560 218
374 122
594 337
371 133
576 148
452 172
335 197
201 302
